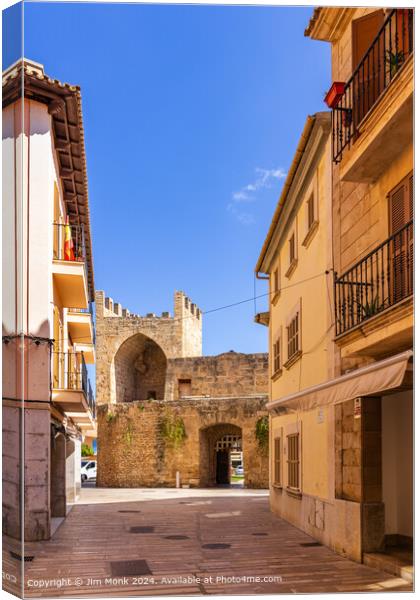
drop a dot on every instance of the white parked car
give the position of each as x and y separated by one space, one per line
88 470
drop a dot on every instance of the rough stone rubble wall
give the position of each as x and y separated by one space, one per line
231 374
134 451
178 336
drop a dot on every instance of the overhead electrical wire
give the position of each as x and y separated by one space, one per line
254 298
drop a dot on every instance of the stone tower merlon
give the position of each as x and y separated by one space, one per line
190 320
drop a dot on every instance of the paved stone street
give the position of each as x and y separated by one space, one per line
185 542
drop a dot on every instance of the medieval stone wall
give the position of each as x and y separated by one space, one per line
177 336
150 375
135 451
230 374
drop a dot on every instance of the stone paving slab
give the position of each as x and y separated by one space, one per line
76 562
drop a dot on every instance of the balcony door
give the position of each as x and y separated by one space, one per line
401 230
370 77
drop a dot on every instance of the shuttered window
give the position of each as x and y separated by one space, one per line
311 211
401 251
276 356
293 461
293 337
401 204
276 282
292 253
277 461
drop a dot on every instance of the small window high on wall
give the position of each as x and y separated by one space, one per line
184 387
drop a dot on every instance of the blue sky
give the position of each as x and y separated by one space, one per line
192 115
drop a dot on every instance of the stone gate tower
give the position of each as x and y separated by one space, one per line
132 350
166 413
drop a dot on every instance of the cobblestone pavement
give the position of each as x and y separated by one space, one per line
178 542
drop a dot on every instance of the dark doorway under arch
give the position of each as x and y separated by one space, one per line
216 445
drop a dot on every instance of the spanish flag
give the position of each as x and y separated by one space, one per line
68 242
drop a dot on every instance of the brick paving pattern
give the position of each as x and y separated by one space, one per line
186 545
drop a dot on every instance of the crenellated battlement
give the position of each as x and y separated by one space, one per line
183 308
178 336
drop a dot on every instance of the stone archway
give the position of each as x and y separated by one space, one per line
139 370
216 443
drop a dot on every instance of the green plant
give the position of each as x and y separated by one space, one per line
395 60
110 417
261 433
371 307
87 450
128 435
173 429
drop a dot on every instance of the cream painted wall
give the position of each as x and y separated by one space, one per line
315 294
397 462
316 297
41 216
342 63
315 428
363 210
9 162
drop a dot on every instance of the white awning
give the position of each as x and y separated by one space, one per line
377 377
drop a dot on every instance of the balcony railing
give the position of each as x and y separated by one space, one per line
69 242
387 54
70 373
380 280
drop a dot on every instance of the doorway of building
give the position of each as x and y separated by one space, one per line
221 458
222 467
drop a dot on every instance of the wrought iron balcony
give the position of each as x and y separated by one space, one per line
387 54
70 373
380 280
69 242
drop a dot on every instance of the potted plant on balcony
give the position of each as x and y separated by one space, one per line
395 60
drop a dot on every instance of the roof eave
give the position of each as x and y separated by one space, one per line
60 99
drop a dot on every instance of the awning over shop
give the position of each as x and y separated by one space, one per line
371 380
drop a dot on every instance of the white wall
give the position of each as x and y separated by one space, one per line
8 215
397 462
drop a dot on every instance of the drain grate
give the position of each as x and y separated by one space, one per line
310 544
127 568
17 556
142 529
215 546
176 537
129 511
260 533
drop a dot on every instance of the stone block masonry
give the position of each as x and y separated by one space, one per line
136 451
164 408
177 336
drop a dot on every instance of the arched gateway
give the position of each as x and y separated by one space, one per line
217 443
166 413
139 370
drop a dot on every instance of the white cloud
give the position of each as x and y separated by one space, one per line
248 193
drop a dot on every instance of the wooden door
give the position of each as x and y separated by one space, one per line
401 248
370 76
223 467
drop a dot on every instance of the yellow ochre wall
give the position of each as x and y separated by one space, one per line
317 312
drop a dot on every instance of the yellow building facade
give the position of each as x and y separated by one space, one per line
341 307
